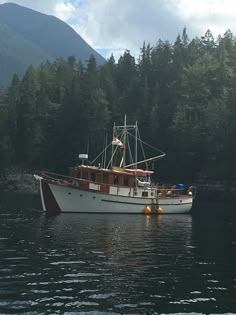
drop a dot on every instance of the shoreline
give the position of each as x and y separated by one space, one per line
19 182
216 190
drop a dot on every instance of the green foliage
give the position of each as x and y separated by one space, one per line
182 95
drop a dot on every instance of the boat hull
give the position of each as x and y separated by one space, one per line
59 198
180 204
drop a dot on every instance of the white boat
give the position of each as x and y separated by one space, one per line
113 187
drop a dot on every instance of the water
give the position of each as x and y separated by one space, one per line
116 264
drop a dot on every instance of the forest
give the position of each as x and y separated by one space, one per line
183 95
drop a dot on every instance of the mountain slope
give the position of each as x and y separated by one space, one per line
29 37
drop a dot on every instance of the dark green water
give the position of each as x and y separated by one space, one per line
116 264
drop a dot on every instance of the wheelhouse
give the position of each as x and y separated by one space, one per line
103 176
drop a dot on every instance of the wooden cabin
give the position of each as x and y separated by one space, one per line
103 177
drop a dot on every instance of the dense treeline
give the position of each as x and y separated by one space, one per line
182 94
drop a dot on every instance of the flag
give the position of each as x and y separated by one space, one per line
116 141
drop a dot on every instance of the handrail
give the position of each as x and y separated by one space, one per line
49 176
168 191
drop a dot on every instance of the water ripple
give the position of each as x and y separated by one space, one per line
113 264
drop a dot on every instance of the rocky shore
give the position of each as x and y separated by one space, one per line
216 190
23 182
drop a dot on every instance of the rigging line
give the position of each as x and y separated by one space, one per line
139 138
104 145
105 154
162 152
141 144
114 152
147 160
101 153
130 152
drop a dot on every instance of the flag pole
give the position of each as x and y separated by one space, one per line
112 149
124 142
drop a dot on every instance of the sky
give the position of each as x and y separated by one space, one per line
113 26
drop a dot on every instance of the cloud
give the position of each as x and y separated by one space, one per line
119 24
202 8
115 25
216 15
64 10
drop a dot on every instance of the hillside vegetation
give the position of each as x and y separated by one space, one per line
182 95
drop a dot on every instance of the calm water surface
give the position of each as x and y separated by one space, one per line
116 264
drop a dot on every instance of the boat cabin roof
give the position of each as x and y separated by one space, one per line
115 169
139 171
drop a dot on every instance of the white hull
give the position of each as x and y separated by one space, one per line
181 204
58 198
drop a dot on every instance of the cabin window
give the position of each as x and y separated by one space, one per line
85 174
116 179
105 178
121 180
126 180
131 181
144 194
99 177
93 177
111 179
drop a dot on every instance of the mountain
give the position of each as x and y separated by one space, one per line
29 37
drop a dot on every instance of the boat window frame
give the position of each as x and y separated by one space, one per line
105 178
116 179
85 174
145 193
99 177
93 176
126 180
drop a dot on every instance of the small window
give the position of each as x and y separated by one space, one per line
105 178
99 177
144 194
85 174
93 177
126 180
116 180
111 179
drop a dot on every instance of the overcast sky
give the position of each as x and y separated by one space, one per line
111 26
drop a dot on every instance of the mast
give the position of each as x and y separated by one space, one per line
124 141
136 152
136 142
105 153
112 149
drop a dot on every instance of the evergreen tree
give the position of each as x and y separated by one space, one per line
181 94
